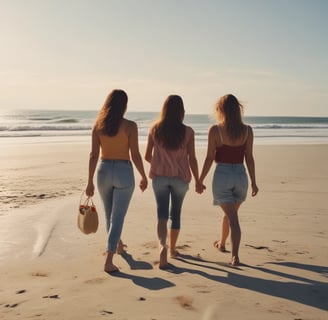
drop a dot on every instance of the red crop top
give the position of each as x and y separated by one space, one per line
230 154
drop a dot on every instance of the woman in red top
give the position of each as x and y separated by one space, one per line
229 143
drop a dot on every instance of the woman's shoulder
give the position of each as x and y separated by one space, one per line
127 121
96 130
248 129
152 130
129 124
213 129
189 133
189 129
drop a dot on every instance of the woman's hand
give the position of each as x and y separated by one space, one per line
255 190
90 190
143 184
200 187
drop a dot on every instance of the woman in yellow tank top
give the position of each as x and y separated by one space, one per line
115 139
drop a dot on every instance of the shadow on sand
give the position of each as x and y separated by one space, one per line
155 283
299 289
290 286
136 264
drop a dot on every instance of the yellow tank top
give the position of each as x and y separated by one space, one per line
115 148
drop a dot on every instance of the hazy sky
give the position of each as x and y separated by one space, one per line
68 54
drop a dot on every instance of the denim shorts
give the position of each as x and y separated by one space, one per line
230 183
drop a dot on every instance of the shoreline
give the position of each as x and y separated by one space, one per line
23 185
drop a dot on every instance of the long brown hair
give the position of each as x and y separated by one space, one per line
111 114
229 111
169 128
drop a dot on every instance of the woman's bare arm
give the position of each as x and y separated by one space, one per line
210 155
93 160
192 158
149 149
250 163
135 154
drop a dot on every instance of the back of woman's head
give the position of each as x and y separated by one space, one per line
229 111
169 128
172 110
111 114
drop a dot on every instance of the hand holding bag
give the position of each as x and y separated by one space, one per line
87 219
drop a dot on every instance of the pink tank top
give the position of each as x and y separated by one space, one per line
171 163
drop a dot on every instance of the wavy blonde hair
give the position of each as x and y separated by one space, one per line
229 112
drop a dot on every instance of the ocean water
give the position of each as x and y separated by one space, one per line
51 126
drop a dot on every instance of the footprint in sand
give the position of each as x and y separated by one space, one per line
95 281
183 247
258 247
53 296
150 245
14 305
201 288
302 252
20 291
185 302
105 312
39 274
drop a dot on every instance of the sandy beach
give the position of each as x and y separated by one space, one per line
50 270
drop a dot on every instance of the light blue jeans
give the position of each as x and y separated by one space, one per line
169 189
116 185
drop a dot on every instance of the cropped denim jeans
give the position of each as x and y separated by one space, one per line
116 185
169 189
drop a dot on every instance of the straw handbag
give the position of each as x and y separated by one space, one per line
87 219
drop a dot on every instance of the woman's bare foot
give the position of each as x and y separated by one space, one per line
174 254
221 247
163 257
235 261
110 268
121 247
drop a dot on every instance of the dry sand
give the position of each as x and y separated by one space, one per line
49 270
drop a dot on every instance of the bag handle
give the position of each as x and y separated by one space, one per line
86 201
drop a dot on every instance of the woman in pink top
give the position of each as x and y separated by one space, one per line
229 143
171 153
